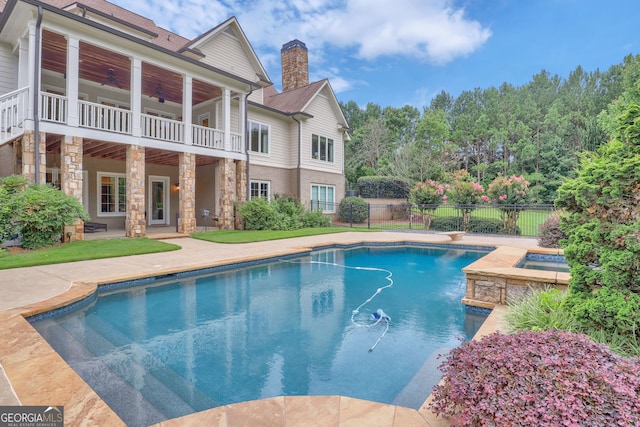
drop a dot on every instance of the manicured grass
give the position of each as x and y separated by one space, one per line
242 236
83 250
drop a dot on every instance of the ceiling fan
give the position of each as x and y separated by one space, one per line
111 78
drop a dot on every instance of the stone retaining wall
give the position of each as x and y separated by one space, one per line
494 279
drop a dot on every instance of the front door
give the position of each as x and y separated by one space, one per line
158 200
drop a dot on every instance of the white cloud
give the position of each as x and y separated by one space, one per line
428 30
335 31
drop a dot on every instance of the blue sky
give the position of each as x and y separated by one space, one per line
397 52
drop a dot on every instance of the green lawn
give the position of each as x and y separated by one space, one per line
83 250
242 236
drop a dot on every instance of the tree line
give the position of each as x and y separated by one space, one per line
537 130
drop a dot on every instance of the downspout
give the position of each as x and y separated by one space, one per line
246 138
299 177
36 96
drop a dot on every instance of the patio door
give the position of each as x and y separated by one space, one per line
158 200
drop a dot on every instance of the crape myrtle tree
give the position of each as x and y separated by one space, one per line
466 194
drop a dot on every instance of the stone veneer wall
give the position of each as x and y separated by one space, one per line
187 196
29 157
135 222
494 279
227 189
72 180
241 189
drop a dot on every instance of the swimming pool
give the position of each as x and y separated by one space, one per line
166 348
545 262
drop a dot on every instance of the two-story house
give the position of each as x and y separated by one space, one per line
145 127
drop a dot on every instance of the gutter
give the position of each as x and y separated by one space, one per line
36 96
247 132
298 172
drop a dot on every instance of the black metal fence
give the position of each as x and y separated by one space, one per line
518 220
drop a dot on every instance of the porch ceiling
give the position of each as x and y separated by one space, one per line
113 151
109 68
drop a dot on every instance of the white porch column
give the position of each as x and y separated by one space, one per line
31 70
136 96
187 108
243 122
73 76
23 63
226 106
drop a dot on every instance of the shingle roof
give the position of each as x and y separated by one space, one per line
165 39
294 100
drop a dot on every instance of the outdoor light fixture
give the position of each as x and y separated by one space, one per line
159 93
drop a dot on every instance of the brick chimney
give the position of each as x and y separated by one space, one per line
295 65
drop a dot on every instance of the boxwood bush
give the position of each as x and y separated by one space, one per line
475 225
353 209
551 378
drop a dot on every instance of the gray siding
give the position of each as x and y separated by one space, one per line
8 69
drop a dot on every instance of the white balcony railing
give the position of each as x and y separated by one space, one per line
160 128
207 137
53 108
13 112
104 117
236 142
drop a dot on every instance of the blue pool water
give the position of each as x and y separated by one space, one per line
545 262
172 347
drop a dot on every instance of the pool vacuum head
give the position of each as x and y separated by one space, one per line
381 315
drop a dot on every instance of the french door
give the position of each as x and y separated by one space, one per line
158 200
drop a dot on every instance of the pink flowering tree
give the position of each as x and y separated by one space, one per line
466 194
427 196
510 194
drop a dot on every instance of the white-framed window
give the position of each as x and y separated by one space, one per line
323 197
258 137
321 148
260 189
112 194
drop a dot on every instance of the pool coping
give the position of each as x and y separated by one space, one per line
38 375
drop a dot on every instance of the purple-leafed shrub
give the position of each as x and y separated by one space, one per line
551 378
549 233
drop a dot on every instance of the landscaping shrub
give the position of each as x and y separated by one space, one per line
540 311
315 219
446 223
475 225
36 212
550 234
9 188
353 209
382 187
602 219
489 226
285 212
258 214
289 212
609 309
550 378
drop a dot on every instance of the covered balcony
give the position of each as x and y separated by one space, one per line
113 97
